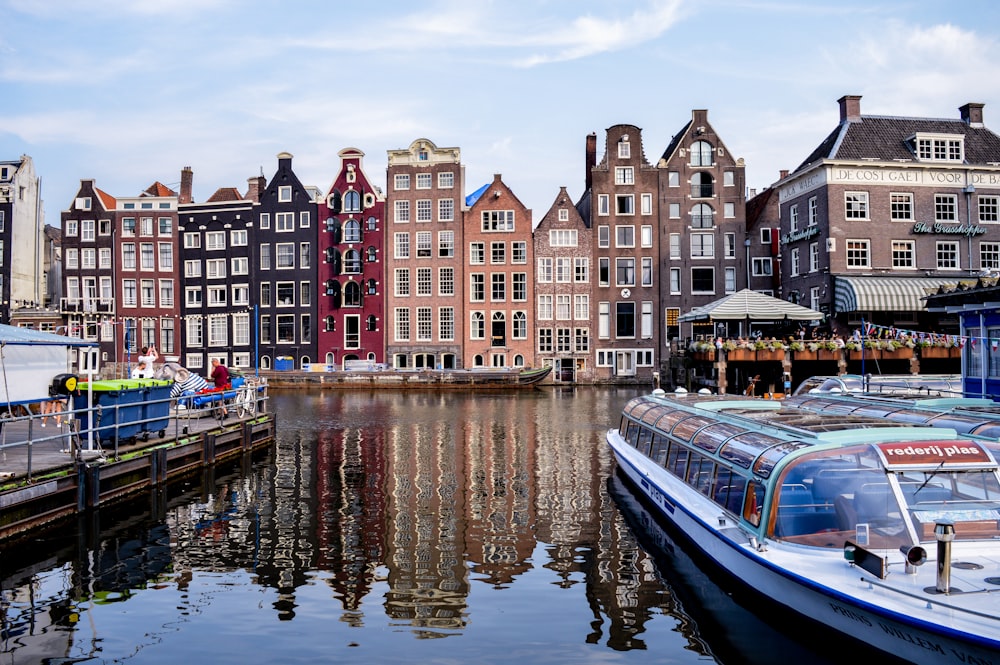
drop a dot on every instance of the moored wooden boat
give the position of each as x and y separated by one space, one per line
832 515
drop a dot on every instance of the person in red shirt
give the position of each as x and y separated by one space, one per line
220 376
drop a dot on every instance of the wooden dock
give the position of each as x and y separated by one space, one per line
47 474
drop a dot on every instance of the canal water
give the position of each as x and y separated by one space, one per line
394 527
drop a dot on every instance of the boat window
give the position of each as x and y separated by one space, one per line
645 438
713 436
919 416
744 448
667 422
753 503
700 471
632 434
658 451
970 499
677 460
652 415
990 430
685 429
799 514
729 489
637 407
767 459
961 424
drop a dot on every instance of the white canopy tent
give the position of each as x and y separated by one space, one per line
749 306
30 359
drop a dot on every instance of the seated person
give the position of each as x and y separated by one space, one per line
142 370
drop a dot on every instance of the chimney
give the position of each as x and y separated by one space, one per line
850 108
972 114
255 187
782 174
591 160
187 179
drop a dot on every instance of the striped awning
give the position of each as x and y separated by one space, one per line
884 294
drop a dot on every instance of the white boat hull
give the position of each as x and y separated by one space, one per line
817 582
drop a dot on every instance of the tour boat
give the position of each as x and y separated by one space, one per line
886 532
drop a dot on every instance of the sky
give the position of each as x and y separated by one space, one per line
128 92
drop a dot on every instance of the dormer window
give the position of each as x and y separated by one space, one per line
939 147
624 148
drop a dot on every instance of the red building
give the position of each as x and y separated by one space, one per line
351 232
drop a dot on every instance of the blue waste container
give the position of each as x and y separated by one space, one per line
284 363
155 406
120 409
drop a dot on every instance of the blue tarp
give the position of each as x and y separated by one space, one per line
474 196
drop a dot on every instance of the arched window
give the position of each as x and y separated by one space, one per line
519 360
265 362
330 358
372 287
702 185
371 255
478 361
352 294
329 324
333 202
372 323
330 286
352 231
304 360
352 201
702 216
352 261
372 224
333 227
519 323
478 330
702 154
371 357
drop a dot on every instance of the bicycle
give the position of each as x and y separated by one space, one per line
246 399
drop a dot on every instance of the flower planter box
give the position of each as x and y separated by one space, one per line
940 352
819 354
741 354
766 354
705 355
902 353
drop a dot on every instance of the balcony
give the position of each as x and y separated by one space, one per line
87 305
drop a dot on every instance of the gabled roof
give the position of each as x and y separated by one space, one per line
885 139
474 196
757 208
225 194
158 189
675 141
107 200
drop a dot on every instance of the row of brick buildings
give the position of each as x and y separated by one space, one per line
419 274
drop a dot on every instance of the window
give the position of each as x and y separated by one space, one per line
284 222
545 307
793 218
194 333
563 340
729 245
624 272
425 246
305 255
425 332
603 205
581 307
563 309
87 230
901 207
646 326
402 282
624 148
702 245
477 329
625 320
519 286
352 231
856 205
192 268
402 211
702 216
858 253
581 269
265 220
285 328
947 255
129 293
703 280
265 256
701 154
603 271
603 236
401 246
498 220
166 256
498 287
446 210
730 277
241 294
545 340
675 246
564 269
902 254
477 283
128 226
128 256
284 255
424 212
813 256
939 148
147 288
216 296
702 186
989 255
674 210
624 175
72 227
424 282
446 323
192 240
625 204
147 260
646 204
813 211
945 208
284 194
765 236
519 252
762 267
401 181
543 272
265 294
285 292
647 271
498 253
105 260
446 244
215 240
729 210
446 180
304 216
794 268
624 236
563 238
215 268
989 209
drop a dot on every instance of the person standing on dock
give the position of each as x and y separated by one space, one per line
220 377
